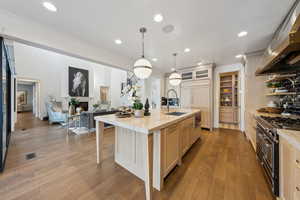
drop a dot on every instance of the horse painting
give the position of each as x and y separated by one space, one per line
78 82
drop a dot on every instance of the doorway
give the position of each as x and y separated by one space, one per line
229 101
28 102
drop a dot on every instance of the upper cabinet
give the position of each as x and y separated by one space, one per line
187 76
197 73
201 74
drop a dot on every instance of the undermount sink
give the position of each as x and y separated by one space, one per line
176 113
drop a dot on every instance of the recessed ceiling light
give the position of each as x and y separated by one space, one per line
50 6
199 63
187 50
118 41
158 18
154 59
239 56
243 34
172 69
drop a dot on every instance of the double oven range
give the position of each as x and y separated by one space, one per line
267 146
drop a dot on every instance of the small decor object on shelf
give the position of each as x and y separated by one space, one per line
147 113
73 103
78 110
95 106
138 109
124 112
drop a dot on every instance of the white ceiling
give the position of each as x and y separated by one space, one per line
208 28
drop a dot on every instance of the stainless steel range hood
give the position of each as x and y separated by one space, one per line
283 53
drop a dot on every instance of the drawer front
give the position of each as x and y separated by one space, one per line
297 158
189 121
172 128
297 184
297 176
227 117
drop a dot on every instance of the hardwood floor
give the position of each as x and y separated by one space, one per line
220 166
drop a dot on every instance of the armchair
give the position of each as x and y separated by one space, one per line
55 113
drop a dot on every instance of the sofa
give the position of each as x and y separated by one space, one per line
55 113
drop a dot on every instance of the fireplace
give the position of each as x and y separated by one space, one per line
83 105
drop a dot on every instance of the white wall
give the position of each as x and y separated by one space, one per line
28 31
255 91
223 69
52 70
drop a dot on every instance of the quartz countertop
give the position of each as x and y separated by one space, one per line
293 137
147 124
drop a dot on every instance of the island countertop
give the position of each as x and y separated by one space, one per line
156 121
293 137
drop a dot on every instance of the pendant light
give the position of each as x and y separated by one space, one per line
142 67
175 78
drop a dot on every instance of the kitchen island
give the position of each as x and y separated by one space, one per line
150 147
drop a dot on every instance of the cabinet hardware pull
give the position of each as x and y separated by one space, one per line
298 189
298 163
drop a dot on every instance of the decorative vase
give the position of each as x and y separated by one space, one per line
138 113
71 110
147 106
78 110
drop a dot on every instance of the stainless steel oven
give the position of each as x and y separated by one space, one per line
267 150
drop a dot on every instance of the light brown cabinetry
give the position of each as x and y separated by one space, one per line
188 134
172 148
185 137
229 98
289 171
196 91
197 94
176 141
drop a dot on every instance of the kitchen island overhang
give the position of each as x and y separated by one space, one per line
151 146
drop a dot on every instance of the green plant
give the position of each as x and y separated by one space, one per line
274 84
137 105
96 105
269 84
74 101
277 84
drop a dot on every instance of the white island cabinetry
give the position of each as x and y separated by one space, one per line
150 147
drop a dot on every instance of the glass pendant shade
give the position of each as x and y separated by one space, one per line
142 68
175 78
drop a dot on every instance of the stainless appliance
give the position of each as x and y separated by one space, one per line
267 145
267 151
283 53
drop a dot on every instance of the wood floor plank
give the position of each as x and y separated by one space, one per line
220 166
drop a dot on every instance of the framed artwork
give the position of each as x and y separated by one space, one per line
104 94
78 82
22 97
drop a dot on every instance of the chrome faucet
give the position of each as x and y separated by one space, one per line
168 92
